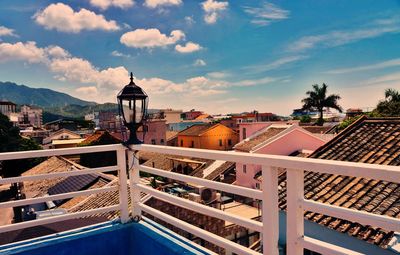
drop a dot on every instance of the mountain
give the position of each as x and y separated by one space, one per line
21 94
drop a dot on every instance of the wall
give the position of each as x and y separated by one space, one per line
251 128
293 141
325 234
156 133
60 136
210 139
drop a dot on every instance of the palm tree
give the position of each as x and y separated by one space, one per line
318 100
392 95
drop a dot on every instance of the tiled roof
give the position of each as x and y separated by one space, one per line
101 137
318 129
41 187
203 116
248 144
54 186
171 134
196 130
375 141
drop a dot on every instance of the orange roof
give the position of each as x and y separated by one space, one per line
203 116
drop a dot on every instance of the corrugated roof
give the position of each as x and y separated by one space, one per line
374 141
71 184
248 144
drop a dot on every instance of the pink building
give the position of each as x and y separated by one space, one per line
191 115
155 132
275 139
246 129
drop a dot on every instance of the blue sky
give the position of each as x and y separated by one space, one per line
216 56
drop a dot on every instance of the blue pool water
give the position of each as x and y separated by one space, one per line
145 237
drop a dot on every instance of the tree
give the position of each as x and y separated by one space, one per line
390 107
318 100
10 140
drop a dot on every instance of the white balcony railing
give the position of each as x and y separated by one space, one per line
269 225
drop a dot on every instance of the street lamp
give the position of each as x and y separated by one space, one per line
132 106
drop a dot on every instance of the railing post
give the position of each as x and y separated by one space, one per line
122 185
134 178
295 212
270 210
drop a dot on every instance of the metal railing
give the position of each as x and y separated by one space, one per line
269 225
120 167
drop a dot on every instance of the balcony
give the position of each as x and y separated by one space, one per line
133 231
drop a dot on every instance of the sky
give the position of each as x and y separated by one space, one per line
215 56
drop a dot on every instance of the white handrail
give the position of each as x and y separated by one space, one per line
372 171
32 223
208 236
238 190
203 209
58 174
325 248
31 201
362 217
60 152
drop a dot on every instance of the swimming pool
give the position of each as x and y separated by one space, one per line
146 237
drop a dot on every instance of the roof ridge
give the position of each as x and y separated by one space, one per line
339 136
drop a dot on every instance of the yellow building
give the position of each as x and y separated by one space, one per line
208 136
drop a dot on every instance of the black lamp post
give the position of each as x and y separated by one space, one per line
132 104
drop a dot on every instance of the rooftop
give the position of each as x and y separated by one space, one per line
264 135
373 141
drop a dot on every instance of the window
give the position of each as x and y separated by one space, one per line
244 133
162 141
153 141
192 144
244 169
229 142
181 143
220 142
257 185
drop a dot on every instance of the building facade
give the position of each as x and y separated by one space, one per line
208 136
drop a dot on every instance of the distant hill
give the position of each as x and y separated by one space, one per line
55 104
76 111
21 94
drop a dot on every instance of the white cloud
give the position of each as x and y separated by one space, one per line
274 64
266 14
160 3
342 37
4 31
199 62
105 4
189 20
387 78
62 17
381 65
218 75
87 90
28 52
55 51
212 10
116 53
254 82
188 47
150 38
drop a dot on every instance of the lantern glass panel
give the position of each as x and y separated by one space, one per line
133 110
